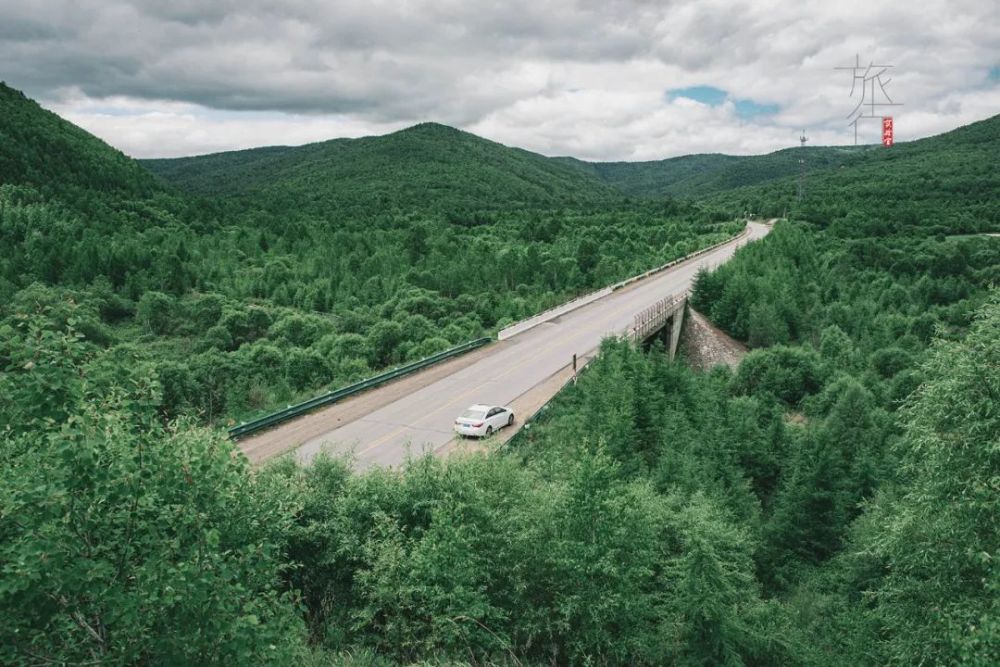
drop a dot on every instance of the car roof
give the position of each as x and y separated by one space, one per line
480 406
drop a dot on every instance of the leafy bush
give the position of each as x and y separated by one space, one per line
787 373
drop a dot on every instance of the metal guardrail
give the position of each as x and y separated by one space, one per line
292 411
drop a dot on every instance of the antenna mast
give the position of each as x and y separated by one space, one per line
802 165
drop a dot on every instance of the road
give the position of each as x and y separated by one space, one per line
421 421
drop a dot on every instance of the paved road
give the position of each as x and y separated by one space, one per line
422 421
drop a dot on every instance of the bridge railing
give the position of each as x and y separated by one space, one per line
655 316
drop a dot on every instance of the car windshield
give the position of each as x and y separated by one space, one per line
474 413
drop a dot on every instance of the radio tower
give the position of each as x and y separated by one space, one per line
802 165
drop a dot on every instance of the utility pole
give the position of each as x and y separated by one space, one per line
802 165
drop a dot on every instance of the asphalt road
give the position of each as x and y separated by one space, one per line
422 421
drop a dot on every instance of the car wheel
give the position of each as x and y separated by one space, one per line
489 431
510 420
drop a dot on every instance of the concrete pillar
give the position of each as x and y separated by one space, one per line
677 319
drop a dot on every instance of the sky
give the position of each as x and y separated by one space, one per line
595 79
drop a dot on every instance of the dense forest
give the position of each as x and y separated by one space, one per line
832 501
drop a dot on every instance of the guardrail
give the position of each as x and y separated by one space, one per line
581 301
292 411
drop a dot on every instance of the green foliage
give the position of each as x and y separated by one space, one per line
155 311
902 571
121 541
787 373
444 559
935 533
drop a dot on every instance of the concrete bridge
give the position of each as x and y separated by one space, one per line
414 415
665 317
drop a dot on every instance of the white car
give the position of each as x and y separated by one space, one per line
483 421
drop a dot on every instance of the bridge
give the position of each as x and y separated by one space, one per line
414 415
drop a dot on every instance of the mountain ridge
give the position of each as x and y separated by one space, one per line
525 177
426 164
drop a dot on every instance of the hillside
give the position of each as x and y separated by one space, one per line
428 166
40 149
701 175
435 167
945 184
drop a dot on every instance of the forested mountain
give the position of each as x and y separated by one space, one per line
425 167
947 184
701 175
40 148
436 167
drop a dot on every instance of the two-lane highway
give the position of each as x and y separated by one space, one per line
422 421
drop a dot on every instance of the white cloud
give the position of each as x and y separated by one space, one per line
584 78
172 129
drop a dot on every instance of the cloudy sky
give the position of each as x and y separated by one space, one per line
596 79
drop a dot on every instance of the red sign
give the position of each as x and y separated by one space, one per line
887 130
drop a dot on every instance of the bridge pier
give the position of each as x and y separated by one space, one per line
676 323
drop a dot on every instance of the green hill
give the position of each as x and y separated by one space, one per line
428 166
432 166
40 149
701 175
946 184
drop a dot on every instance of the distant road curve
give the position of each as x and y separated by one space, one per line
415 415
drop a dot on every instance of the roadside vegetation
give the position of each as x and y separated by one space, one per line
832 501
